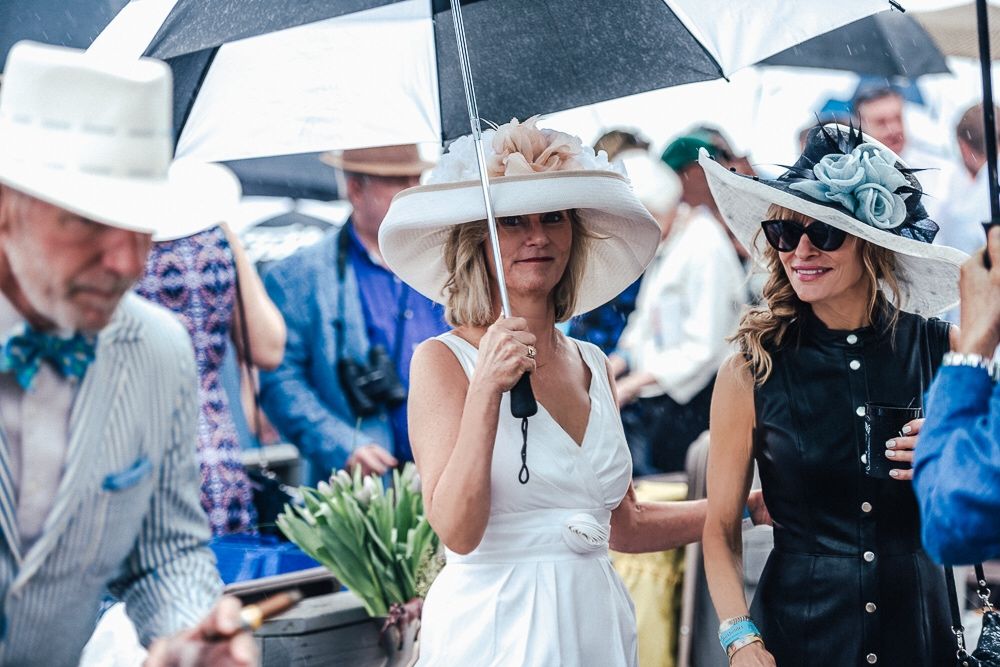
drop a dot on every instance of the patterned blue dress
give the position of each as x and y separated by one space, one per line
195 277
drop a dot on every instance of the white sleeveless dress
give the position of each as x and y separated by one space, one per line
540 590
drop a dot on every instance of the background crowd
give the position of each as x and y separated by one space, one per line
328 331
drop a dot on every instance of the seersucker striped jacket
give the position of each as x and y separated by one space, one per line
127 516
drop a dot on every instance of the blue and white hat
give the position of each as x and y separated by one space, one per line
852 182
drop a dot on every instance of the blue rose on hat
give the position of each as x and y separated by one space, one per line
864 181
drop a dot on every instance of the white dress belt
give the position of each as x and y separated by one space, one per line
541 536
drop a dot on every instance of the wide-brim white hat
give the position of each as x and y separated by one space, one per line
413 234
927 274
93 136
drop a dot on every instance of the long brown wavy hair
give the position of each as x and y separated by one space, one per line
769 326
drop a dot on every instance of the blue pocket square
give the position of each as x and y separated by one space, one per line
131 476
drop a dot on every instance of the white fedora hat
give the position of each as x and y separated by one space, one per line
852 182
93 136
531 171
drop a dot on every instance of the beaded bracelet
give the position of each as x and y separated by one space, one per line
730 622
736 630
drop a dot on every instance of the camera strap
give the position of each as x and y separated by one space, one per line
343 238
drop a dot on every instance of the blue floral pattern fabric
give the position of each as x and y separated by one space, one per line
24 353
195 277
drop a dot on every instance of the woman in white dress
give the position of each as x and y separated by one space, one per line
528 580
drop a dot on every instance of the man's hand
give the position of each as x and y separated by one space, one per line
758 510
215 642
373 459
980 290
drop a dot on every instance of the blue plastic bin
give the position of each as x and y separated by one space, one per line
243 557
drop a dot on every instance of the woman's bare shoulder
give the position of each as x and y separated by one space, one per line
735 375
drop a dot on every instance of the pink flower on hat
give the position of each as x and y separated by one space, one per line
517 149
522 148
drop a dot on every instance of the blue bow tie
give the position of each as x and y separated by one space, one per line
24 353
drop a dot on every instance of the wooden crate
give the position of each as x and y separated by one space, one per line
326 630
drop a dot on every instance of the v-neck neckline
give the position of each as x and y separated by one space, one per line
578 446
590 394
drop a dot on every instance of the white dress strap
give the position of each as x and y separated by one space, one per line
595 358
462 349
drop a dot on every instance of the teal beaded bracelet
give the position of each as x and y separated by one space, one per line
738 630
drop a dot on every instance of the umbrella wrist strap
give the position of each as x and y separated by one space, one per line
523 475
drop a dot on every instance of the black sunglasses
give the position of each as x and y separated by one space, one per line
784 235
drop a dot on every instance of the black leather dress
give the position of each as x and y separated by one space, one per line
848 582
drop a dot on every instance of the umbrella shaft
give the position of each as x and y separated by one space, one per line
491 223
989 116
484 179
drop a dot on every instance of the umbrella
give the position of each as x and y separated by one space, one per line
235 60
887 44
302 176
54 22
535 55
985 65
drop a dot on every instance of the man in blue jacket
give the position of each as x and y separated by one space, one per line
957 463
339 393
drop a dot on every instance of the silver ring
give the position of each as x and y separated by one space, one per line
532 352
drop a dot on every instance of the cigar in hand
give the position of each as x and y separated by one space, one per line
253 616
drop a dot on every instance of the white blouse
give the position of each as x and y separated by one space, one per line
689 303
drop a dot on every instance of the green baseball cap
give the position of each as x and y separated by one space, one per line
683 150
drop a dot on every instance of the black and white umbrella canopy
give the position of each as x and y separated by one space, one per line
74 23
887 44
302 176
266 77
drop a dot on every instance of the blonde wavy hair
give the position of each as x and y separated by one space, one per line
768 326
469 299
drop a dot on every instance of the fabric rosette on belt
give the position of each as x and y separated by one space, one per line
584 534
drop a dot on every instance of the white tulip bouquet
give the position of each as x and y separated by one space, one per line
376 541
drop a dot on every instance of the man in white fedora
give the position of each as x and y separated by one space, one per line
98 475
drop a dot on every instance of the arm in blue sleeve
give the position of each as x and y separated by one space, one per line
288 398
957 467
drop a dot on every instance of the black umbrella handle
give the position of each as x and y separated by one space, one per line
522 398
989 117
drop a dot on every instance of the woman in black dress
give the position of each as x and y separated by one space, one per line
848 247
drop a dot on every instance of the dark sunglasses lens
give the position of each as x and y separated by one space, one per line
783 235
825 237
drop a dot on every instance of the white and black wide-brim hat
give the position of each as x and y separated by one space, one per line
94 136
414 232
852 182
